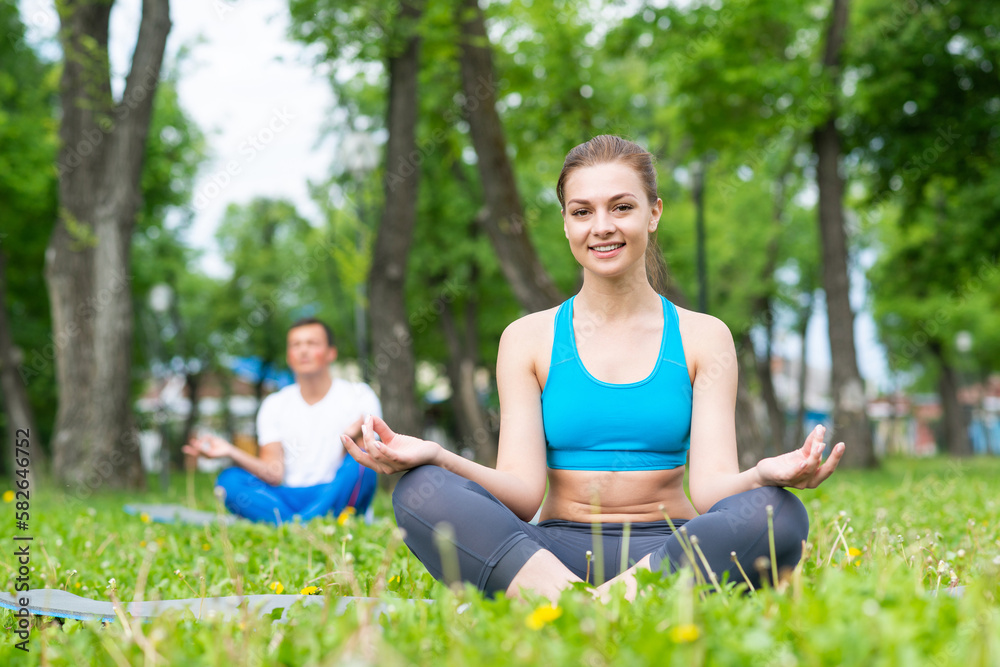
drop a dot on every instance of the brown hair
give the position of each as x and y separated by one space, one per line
607 148
330 341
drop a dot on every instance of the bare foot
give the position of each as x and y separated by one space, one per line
543 574
603 592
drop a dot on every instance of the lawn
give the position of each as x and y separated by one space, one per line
902 568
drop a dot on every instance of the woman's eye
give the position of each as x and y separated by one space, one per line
579 212
623 207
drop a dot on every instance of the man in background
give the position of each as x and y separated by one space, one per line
302 468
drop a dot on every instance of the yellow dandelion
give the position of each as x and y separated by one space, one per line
144 518
309 590
545 614
78 584
684 633
345 515
393 580
853 553
205 547
8 496
143 543
276 587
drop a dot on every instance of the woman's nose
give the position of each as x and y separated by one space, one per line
603 223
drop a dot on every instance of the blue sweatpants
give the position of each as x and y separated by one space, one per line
253 498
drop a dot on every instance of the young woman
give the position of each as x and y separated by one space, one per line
605 397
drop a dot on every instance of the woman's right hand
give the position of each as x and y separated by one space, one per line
395 453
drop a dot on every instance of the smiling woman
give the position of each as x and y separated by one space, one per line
606 153
605 397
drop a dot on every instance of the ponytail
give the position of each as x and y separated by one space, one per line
656 266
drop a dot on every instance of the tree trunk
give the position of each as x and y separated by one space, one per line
99 167
850 418
775 414
473 423
193 381
800 428
505 222
956 422
20 418
392 341
748 433
228 421
698 198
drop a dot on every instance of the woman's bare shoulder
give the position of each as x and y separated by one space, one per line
703 334
701 323
532 328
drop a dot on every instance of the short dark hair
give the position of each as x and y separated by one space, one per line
313 320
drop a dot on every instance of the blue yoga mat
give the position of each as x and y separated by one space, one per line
161 513
62 604
178 514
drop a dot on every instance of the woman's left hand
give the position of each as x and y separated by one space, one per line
803 468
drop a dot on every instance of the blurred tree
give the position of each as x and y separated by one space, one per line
503 219
160 254
926 127
392 339
272 250
387 39
850 417
100 166
27 205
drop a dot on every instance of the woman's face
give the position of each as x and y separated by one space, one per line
608 217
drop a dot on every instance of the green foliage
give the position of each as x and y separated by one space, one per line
279 262
884 550
28 205
927 100
925 127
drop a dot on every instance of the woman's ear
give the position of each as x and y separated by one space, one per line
656 212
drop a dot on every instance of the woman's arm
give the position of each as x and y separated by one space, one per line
519 478
714 467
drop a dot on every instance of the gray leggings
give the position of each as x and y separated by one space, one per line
488 544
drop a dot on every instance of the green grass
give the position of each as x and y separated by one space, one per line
917 528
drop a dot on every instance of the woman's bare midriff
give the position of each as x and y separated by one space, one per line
616 496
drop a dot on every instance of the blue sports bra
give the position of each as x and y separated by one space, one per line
594 425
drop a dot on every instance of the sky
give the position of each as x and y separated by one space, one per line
263 105
250 89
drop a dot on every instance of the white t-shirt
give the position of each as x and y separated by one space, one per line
310 434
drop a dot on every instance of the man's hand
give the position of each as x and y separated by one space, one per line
209 446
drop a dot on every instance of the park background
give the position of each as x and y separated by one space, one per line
829 174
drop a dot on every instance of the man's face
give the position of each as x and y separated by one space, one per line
308 351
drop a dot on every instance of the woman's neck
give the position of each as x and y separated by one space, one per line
616 299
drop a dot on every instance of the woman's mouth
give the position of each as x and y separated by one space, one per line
607 249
